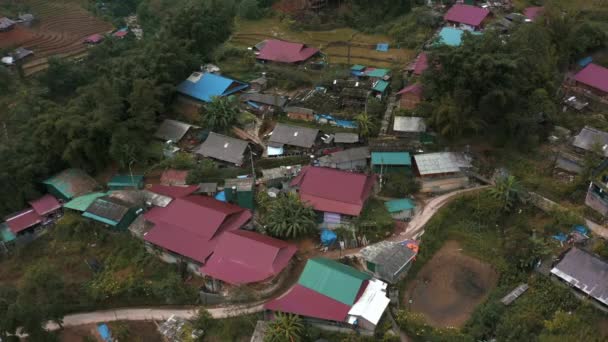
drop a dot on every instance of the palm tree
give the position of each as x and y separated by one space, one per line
285 328
365 123
289 218
508 190
219 114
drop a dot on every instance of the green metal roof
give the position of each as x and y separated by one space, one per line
380 86
391 158
452 36
333 279
357 67
378 73
71 182
81 203
395 206
126 180
99 218
5 233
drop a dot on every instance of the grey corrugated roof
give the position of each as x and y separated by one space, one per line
241 184
223 148
6 23
440 162
109 207
293 109
260 45
346 138
281 172
268 99
409 124
351 154
293 135
392 256
140 227
172 130
590 137
586 272
139 198
207 187
21 53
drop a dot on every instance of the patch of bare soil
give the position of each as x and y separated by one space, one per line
450 286
138 331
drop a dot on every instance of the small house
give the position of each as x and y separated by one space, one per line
123 182
112 211
6 24
336 293
240 191
390 162
380 88
592 81
42 211
350 159
585 272
441 171
410 96
205 86
467 16
70 183
223 148
174 177
593 140
294 136
173 130
16 56
279 51
401 209
94 39
299 113
409 126
420 64
387 260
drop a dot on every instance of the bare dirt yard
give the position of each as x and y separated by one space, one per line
137 331
449 286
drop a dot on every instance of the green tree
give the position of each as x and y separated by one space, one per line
286 327
289 218
508 191
250 9
220 114
365 124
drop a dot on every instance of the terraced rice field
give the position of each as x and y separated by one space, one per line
333 43
59 31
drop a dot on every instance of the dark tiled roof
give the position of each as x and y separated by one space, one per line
223 148
293 135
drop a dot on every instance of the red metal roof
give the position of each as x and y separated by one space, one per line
594 76
306 302
334 190
23 220
173 191
285 52
422 63
415 88
243 257
466 14
45 204
533 12
173 177
190 226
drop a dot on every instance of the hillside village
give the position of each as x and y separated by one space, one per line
283 171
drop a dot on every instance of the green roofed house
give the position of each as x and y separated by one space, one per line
112 211
333 279
124 182
6 235
70 183
357 67
81 203
383 162
380 87
452 36
401 209
377 73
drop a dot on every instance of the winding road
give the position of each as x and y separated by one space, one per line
413 231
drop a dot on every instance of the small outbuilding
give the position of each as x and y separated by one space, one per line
350 159
388 162
6 24
410 96
409 126
401 209
174 177
123 182
240 191
387 260
300 113
173 130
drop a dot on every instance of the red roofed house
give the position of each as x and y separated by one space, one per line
205 234
421 64
410 96
592 81
280 51
338 194
42 211
173 191
466 15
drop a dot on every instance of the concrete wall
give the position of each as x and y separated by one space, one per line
444 184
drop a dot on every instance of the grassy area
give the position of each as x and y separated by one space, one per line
375 222
129 275
331 42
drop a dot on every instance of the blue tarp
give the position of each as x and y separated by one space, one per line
585 61
209 85
337 122
104 332
221 196
581 229
328 237
383 47
560 237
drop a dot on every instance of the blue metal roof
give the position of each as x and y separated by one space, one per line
585 61
383 47
208 86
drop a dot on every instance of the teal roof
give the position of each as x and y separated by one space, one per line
81 203
99 218
357 67
378 73
391 158
395 206
380 86
5 233
452 36
71 183
126 180
333 279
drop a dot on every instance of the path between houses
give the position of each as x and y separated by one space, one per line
413 230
